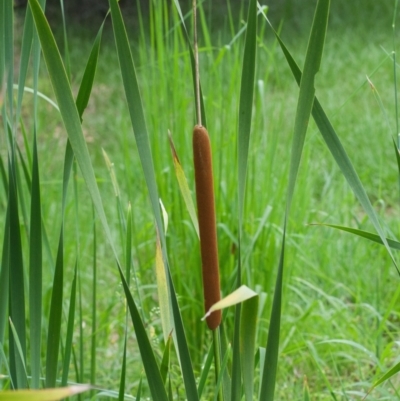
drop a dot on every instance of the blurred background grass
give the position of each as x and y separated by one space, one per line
337 287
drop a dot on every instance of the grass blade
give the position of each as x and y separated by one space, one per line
70 330
139 127
123 372
248 331
246 104
164 369
20 352
163 298
135 108
304 107
152 370
54 330
42 395
243 141
337 150
183 186
69 112
35 270
17 291
85 88
365 234
4 277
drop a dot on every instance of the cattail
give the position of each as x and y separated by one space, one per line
207 225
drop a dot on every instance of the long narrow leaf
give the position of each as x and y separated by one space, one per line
70 328
4 277
139 127
69 112
42 395
337 150
243 142
304 107
153 374
35 271
365 234
17 292
248 331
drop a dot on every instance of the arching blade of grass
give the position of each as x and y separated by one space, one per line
69 112
337 150
57 295
140 130
135 109
304 107
390 373
364 234
35 271
72 124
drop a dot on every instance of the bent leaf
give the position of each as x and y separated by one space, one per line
364 234
43 395
391 372
242 294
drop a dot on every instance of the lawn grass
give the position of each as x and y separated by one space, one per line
340 323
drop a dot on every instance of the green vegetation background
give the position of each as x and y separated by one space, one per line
340 322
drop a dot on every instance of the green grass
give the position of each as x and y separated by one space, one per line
340 322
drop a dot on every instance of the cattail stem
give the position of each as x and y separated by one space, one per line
207 222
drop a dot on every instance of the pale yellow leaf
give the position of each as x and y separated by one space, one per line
53 394
163 299
243 293
165 216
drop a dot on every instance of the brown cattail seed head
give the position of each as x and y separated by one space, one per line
207 224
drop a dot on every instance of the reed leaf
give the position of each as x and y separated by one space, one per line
337 150
17 290
364 234
151 368
304 107
248 331
35 271
140 130
42 395
243 141
69 112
